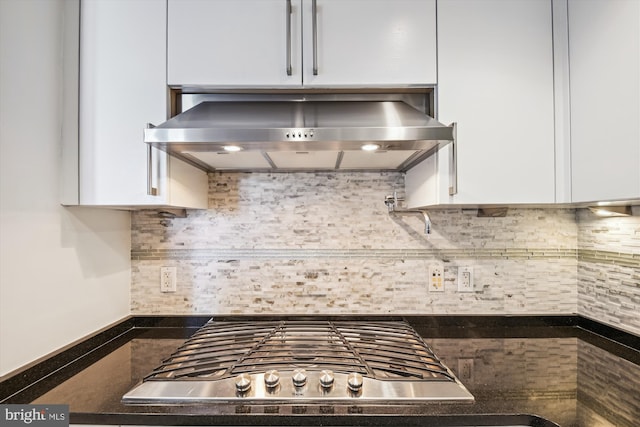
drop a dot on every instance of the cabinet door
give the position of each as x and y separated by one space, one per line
122 88
604 59
369 43
495 79
237 43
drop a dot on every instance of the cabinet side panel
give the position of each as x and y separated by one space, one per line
188 186
562 101
421 184
69 174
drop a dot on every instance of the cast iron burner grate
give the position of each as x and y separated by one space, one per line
381 350
247 359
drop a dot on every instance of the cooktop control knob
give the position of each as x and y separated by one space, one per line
354 382
326 379
299 377
271 378
243 382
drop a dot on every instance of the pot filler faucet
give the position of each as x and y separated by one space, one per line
392 206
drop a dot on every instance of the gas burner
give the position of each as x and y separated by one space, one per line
300 360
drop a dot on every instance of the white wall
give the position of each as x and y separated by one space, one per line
64 272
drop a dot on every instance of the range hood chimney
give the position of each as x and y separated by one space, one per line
302 132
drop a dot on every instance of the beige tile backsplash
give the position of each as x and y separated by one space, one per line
324 243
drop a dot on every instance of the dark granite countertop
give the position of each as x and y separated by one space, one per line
521 371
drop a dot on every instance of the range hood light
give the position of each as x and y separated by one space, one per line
608 211
232 148
370 147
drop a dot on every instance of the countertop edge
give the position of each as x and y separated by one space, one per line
316 420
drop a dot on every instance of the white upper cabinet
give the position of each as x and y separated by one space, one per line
122 88
280 43
604 64
495 79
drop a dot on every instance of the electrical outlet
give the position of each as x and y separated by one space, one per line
465 370
465 279
167 279
436 278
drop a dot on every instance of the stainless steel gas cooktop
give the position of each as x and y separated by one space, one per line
301 361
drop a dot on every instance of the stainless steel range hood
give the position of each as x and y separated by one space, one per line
290 133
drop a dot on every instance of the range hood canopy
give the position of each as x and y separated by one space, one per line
276 134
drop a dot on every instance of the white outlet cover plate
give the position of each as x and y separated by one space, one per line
465 279
168 279
465 370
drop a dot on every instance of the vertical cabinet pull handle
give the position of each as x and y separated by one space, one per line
151 190
314 25
453 163
288 11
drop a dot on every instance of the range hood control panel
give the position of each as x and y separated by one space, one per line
299 134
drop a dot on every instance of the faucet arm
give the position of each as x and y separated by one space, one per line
427 222
425 216
392 206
